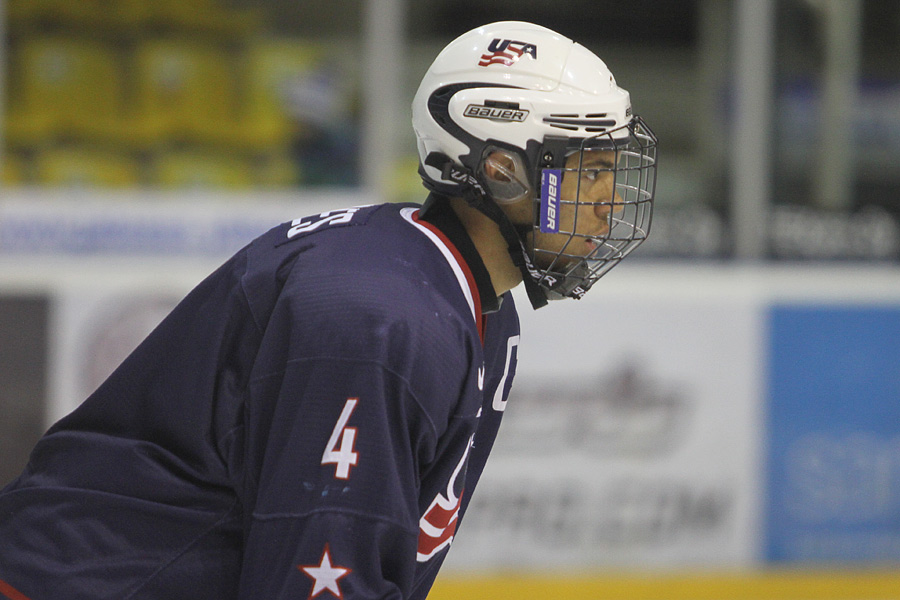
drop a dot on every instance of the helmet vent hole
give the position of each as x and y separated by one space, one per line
597 122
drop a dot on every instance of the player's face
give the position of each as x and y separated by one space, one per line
590 218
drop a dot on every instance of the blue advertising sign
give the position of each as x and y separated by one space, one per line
833 471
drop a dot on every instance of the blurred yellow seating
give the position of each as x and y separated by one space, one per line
185 91
63 87
81 13
19 10
277 170
276 72
198 169
12 169
85 168
197 15
405 183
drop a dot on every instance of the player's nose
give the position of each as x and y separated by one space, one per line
604 206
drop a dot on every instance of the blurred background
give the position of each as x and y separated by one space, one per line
722 420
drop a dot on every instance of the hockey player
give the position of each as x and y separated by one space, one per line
311 421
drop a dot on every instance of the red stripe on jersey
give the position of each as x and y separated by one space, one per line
439 517
470 279
442 519
427 545
10 592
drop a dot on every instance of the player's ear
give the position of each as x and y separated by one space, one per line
499 166
505 176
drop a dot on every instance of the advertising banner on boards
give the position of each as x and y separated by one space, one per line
833 473
629 439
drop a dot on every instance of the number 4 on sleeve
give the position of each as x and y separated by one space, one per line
345 456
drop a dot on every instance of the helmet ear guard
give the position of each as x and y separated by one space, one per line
505 175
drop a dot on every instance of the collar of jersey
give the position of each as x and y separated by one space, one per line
437 212
450 237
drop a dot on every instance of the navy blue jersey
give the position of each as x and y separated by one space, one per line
309 422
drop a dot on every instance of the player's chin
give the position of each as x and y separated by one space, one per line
557 261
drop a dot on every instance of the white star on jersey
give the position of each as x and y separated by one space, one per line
325 576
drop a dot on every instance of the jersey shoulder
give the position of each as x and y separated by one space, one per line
362 284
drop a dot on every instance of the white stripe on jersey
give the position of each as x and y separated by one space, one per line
407 214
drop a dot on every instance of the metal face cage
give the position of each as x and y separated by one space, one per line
599 224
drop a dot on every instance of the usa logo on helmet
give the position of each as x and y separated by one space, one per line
506 52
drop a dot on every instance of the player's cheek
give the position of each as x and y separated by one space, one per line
567 218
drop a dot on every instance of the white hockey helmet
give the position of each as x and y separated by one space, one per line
537 97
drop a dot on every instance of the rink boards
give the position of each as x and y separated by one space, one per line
682 419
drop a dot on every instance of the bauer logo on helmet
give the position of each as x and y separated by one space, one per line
496 113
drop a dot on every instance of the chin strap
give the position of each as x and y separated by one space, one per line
472 191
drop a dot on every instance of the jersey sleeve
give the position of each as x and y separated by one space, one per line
348 419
